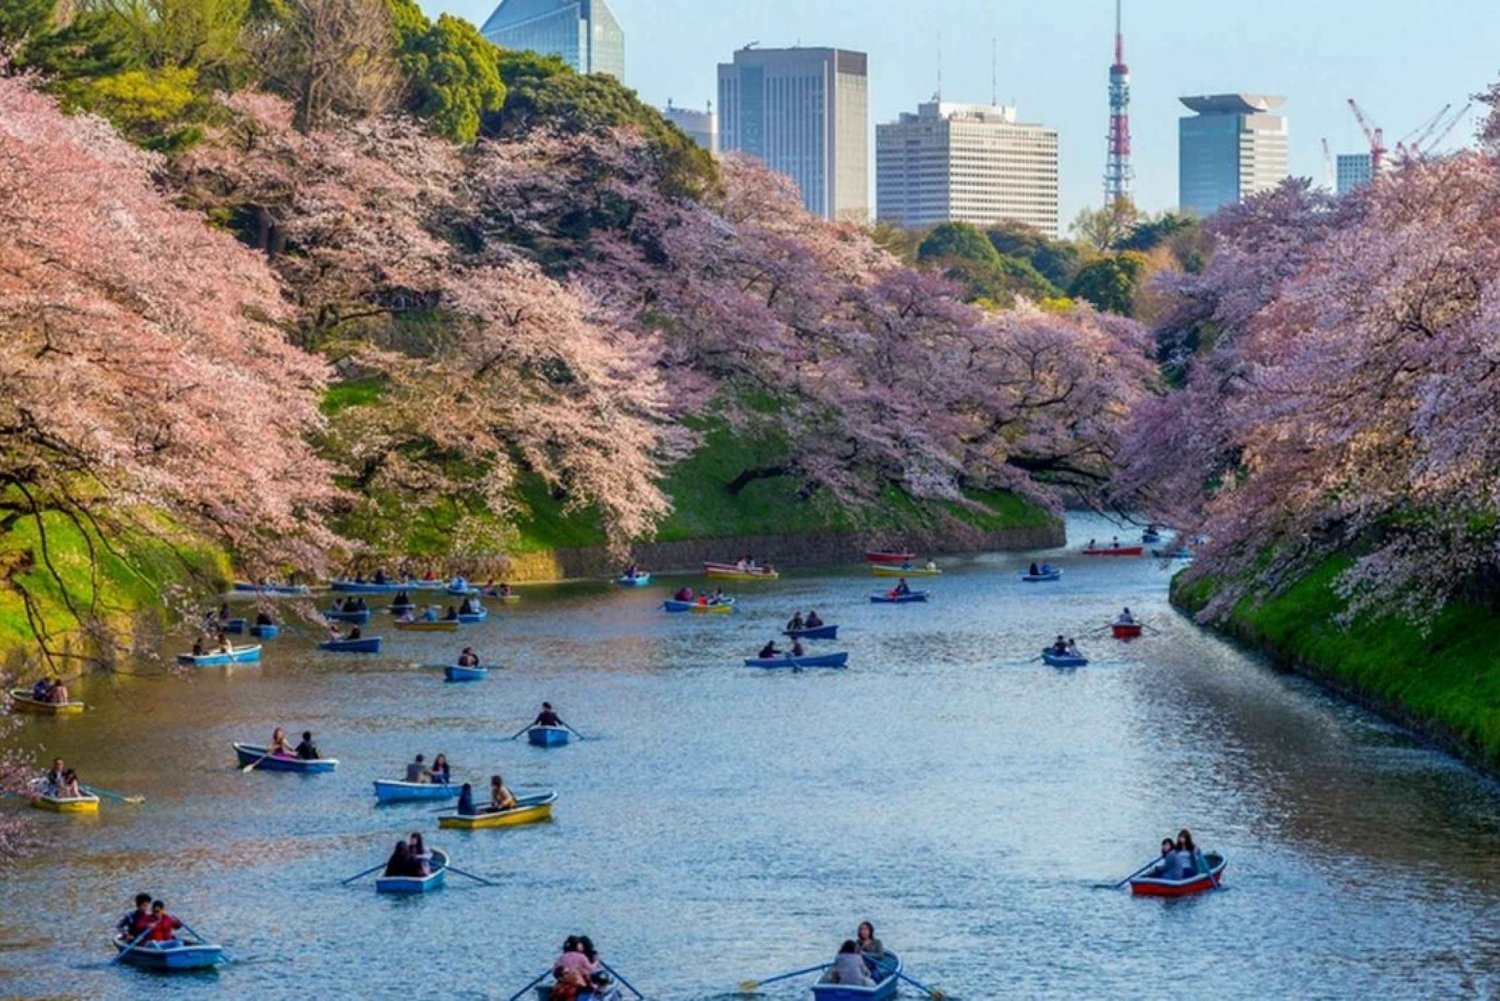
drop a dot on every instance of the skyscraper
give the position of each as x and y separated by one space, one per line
805 113
966 163
1354 171
1232 147
585 33
1117 173
701 126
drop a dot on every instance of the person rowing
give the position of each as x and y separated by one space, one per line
797 649
136 921
902 587
547 717
1060 646
813 622
797 624
1125 619
1035 570
468 658
1170 865
769 650
684 594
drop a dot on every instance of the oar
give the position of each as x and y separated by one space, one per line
251 766
1212 879
108 794
1151 628
932 992
615 973
1116 886
518 994
477 879
571 730
357 875
520 731
751 985
196 934
121 954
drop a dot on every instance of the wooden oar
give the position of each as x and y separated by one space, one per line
478 879
751 985
615 973
109 794
932 992
1116 886
357 875
121 954
518 994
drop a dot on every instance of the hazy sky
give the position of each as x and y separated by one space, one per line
1401 60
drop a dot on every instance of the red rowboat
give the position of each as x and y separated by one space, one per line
877 557
1149 886
1115 551
1126 631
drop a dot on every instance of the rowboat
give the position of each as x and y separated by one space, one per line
639 580
528 810
265 631
1151 886
495 595
1180 553
472 618
428 625
359 617
1115 551
818 660
397 791
275 589
886 972
885 598
1125 630
169 956
548 736
86 803
883 557
365 644
460 589
21 699
1063 659
425 584
453 672
724 607
236 655
370 587
733 571
1038 578
434 880
282 762
233 626
815 633
892 570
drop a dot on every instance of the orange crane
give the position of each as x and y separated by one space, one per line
1376 136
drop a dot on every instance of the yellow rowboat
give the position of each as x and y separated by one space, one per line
890 571
424 626
528 810
66 804
22 700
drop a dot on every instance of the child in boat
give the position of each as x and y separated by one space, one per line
136 921
162 923
501 798
307 750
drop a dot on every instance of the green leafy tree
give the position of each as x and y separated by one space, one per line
1150 233
20 22
1110 282
960 240
1103 229
205 36
148 106
1057 260
452 71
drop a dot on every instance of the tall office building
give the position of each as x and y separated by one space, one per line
966 163
1353 171
1231 147
701 126
585 33
805 113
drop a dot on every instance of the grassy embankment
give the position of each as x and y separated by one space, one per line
1445 681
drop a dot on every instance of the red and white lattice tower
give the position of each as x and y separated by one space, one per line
1117 172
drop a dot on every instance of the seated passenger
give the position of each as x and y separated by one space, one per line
466 800
59 693
1035 570
868 944
451 615
355 633
1126 619
440 771
686 594
162 923
797 648
42 690
421 858
1060 647
400 862
263 619
68 787
796 624
849 967
813 622
416 770
307 750
501 798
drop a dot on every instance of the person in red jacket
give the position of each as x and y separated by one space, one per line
162 923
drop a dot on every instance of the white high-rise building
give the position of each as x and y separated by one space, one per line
1231 147
805 113
701 126
974 163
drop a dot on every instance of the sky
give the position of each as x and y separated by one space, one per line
1402 60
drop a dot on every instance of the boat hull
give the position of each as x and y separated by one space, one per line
66 804
823 660
639 580
1064 659
473 618
234 627
1147 886
1122 631
722 608
879 557
422 626
276 763
886 973
266 632
454 673
530 810
365 644
170 957
882 570
898 599
1116 551
283 590
816 633
434 880
240 655
365 587
358 618
22 701
547 736
396 791
1041 578
732 571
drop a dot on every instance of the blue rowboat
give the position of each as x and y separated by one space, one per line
816 633
234 627
885 971
169 956
359 618
1180 553
1063 659
265 632
820 660
639 580
434 880
365 644
368 587
276 589
547 736
281 763
460 588
897 599
237 655
1039 578
474 617
452 672
396 791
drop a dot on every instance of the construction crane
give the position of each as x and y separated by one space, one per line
1410 146
1375 135
1442 133
1329 178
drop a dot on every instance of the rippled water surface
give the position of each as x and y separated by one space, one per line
726 823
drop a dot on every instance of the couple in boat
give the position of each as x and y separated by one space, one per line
417 771
578 974
772 650
410 858
798 623
304 751
148 922
857 959
1180 859
1065 647
1041 570
51 690
901 588
501 799
60 782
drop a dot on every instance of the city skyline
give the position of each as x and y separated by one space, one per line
1054 62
